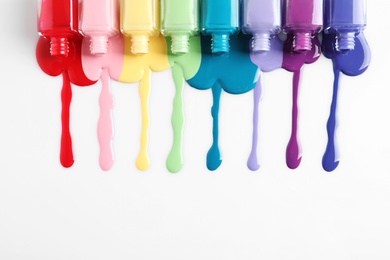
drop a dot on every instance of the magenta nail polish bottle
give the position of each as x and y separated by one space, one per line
262 19
303 19
345 19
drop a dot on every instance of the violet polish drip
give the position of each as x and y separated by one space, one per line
266 61
330 160
351 63
344 43
253 160
262 20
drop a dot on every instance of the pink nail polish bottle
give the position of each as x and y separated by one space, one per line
99 22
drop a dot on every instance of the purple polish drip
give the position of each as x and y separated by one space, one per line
266 61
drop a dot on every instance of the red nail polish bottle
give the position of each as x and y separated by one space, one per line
58 21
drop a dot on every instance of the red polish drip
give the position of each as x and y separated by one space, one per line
72 71
66 154
58 21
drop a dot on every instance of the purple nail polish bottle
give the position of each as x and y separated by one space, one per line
303 19
345 19
262 19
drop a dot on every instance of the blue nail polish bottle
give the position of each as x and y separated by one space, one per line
345 19
220 19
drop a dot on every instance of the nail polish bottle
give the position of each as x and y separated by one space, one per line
140 20
58 21
99 22
180 21
303 19
345 19
262 19
220 19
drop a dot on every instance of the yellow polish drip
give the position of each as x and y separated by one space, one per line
138 68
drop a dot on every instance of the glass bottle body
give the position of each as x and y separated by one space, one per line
58 21
303 19
345 19
262 19
99 23
140 20
180 21
220 19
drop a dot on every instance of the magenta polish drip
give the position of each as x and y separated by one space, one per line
293 62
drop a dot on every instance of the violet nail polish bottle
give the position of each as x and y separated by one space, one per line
345 19
303 19
262 19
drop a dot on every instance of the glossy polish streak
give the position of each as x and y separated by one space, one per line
66 153
293 62
351 63
104 67
219 72
183 67
266 61
105 124
72 71
99 23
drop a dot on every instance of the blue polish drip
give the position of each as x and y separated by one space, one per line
234 73
351 63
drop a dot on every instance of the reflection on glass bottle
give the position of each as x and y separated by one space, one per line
58 21
180 21
220 19
345 19
262 19
99 22
140 20
303 19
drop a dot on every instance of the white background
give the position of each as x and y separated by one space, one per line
48 212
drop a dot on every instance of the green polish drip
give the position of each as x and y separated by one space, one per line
184 67
175 158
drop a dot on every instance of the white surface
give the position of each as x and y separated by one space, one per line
47 212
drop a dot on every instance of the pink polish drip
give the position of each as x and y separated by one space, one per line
105 124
